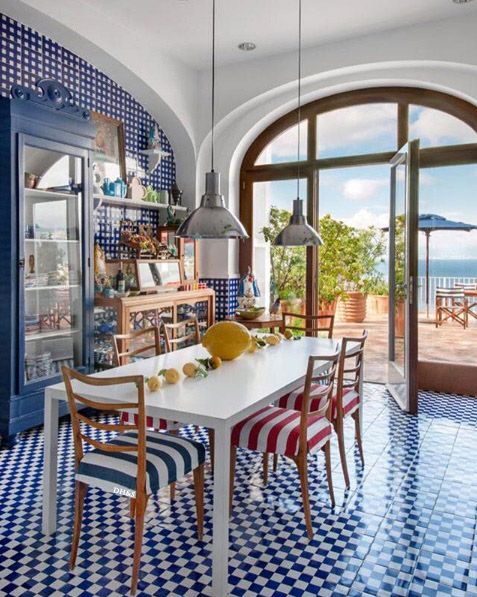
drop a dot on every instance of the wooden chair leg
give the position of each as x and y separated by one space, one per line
199 499
327 451
357 427
303 472
132 507
211 446
275 463
138 533
233 458
80 493
265 467
341 444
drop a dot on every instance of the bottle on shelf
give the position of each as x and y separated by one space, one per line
120 281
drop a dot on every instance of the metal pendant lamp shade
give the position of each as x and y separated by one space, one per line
298 233
212 219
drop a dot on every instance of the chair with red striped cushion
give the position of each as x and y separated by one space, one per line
347 399
291 433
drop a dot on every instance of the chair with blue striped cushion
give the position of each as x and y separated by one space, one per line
135 463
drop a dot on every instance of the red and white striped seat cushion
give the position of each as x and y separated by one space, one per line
294 400
277 431
151 422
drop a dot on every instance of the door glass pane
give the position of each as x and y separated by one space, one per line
280 271
284 148
434 127
53 299
362 129
450 193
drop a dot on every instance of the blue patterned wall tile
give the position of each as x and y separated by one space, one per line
226 290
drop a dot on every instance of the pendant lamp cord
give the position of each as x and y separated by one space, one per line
299 99
213 87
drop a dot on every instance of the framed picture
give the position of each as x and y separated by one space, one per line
160 274
109 150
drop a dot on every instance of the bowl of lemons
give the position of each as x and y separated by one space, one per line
251 313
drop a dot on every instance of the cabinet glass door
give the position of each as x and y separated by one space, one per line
52 289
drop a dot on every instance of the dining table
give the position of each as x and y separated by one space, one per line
219 401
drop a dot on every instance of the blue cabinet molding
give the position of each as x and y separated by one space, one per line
51 123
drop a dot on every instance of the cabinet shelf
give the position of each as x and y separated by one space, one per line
51 240
44 194
60 287
52 334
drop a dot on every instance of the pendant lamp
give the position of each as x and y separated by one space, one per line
212 219
298 233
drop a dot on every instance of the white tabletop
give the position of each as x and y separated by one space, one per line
227 394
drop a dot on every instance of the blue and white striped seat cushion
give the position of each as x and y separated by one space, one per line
168 458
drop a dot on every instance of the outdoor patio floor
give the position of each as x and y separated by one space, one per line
450 342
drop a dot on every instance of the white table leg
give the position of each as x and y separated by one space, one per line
50 468
361 402
220 547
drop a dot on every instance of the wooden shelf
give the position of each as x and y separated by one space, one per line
132 204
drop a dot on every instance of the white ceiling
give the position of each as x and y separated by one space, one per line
182 28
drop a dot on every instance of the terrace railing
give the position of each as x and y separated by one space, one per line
438 282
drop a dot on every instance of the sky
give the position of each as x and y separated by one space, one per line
360 196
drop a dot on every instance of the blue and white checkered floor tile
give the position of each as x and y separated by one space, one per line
406 527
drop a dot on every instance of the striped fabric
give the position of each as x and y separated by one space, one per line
294 400
277 431
151 422
168 458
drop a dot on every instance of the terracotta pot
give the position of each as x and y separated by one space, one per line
352 307
400 320
327 307
377 304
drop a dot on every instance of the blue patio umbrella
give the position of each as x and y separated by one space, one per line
431 222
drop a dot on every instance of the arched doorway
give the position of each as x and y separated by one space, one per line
351 137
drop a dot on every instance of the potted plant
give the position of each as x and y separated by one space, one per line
378 298
288 265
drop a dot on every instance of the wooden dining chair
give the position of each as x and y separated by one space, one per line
136 343
291 433
179 334
135 463
346 401
312 324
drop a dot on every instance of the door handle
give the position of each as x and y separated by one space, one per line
410 293
21 262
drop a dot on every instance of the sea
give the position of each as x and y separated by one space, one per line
452 268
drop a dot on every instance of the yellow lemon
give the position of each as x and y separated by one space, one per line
190 370
226 339
288 334
172 376
215 362
154 383
272 340
252 346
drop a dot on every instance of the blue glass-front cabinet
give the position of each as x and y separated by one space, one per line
46 294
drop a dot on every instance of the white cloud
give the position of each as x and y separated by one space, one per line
360 189
285 145
356 124
436 128
365 218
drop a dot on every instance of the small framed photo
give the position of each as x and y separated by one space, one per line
159 275
109 149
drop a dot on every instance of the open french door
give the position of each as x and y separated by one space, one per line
403 308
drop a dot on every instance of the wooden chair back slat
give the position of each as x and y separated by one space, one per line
313 324
105 426
352 349
331 362
138 408
122 344
105 405
173 340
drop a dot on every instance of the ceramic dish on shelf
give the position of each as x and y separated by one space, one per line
250 313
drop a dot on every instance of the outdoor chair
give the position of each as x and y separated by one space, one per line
470 294
451 305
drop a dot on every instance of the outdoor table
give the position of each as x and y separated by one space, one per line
217 402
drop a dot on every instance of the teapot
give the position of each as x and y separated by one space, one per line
108 187
120 188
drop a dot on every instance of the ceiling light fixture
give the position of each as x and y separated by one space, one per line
212 219
247 46
298 232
